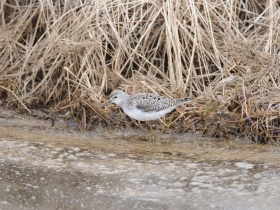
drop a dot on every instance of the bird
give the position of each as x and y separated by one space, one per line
144 106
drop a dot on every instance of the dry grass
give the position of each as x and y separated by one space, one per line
67 55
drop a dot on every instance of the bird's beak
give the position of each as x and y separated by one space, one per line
105 104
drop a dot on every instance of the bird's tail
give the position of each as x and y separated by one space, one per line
185 100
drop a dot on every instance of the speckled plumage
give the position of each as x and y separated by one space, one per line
145 106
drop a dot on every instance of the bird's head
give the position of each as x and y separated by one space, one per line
116 97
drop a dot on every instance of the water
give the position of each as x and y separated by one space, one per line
56 168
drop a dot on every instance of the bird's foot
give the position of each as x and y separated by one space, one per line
152 138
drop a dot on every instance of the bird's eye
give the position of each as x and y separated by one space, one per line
115 97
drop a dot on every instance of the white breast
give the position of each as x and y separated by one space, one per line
140 115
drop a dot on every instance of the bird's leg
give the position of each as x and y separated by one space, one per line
161 130
162 125
152 134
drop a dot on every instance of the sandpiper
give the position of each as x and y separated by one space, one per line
144 106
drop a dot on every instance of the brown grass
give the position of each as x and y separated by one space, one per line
68 55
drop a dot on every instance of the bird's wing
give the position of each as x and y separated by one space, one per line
152 103
146 108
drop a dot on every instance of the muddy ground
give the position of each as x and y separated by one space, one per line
45 166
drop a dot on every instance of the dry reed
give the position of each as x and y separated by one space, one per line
68 55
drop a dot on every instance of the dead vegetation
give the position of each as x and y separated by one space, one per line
68 55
